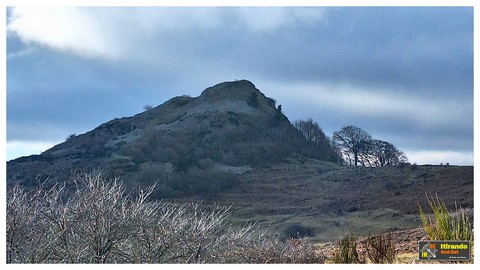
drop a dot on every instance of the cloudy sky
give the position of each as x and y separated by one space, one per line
403 74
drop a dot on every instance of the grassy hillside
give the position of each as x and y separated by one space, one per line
332 199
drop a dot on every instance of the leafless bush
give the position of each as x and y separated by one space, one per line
19 220
98 223
298 231
94 221
380 248
272 250
57 225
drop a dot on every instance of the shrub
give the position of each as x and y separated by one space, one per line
347 251
252 100
94 221
389 185
184 162
298 231
71 136
352 209
99 223
271 250
205 183
380 248
446 225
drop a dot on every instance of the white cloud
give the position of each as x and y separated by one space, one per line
371 103
17 149
63 28
438 157
268 18
120 32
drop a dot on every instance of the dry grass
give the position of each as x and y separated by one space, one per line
380 248
347 251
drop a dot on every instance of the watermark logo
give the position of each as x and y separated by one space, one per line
444 250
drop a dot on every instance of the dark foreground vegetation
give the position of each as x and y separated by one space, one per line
97 222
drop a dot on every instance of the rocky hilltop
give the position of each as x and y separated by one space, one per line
230 127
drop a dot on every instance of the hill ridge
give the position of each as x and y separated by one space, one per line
231 123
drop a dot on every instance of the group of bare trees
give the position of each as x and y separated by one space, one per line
321 145
351 145
358 148
94 221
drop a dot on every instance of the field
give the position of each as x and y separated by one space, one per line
300 197
332 200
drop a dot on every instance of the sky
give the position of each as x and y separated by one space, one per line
403 74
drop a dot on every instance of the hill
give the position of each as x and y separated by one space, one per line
188 144
232 145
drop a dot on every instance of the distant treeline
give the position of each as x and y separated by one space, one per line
351 145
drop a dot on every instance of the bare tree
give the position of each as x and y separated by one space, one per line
385 154
310 130
317 139
353 141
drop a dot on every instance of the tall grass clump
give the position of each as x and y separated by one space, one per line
347 251
380 248
445 225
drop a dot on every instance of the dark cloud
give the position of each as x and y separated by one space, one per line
402 47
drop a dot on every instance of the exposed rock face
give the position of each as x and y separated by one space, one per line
231 123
